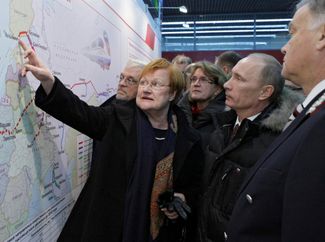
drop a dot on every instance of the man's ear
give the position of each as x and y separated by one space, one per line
226 69
320 37
266 92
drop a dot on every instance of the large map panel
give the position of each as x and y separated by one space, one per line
44 163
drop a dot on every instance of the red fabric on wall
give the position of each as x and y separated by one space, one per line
150 37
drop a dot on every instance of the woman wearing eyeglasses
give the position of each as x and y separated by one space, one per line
205 97
145 148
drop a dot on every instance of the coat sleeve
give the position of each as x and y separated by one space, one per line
304 195
65 106
194 173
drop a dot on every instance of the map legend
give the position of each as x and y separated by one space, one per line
84 152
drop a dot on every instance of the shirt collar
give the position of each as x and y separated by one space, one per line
314 92
251 118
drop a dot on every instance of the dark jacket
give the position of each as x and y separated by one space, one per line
111 100
283 198
228 162
98 212
205 122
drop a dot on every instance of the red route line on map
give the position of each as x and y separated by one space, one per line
85 83
13 131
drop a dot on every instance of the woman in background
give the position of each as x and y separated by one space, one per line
205 97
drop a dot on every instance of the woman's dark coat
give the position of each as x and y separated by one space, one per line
98 212
206 121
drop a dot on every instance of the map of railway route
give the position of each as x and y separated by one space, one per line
44 163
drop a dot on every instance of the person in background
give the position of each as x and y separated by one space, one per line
283 198
181 62
188 71
227 60
126 91
260 108
205 98
145 148
128 82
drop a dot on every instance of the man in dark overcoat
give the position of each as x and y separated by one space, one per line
283 197
261 107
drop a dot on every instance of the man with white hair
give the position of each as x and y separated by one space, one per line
128 82
283 197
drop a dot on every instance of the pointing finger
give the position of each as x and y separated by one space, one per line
28 53
22 44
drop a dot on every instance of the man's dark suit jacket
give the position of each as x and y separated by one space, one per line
283 198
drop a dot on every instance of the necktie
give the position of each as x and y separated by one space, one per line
297 110
234 131
295 113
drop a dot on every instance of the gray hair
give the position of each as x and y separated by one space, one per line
134 63
271 73
229 58
317 8
184 58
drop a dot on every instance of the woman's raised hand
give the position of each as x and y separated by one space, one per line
37 68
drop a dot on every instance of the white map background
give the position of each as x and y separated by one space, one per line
43 163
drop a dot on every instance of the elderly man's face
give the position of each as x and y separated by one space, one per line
300 51
128 84
244 87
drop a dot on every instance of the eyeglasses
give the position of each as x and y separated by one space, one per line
154 85
130 81
202 79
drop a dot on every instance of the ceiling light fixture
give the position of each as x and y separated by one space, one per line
222 36
230 26
186 25
223 31
182 9
229 21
